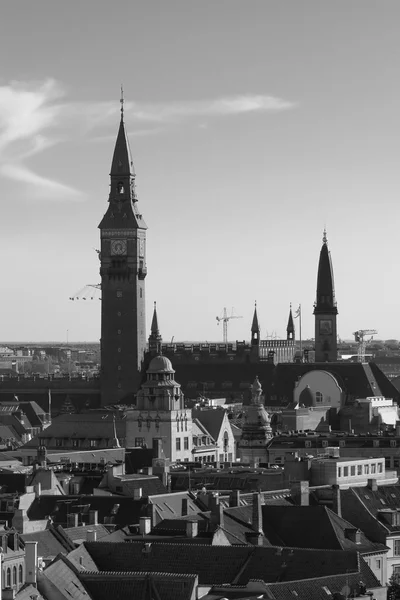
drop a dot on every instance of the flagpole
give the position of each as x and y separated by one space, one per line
301 348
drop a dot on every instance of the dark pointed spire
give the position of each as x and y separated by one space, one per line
154 323
325 301
122 164
255 328
290 325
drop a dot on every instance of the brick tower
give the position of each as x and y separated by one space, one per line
123 271
325 309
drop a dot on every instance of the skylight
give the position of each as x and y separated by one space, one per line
327 590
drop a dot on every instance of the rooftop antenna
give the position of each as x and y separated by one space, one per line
122 102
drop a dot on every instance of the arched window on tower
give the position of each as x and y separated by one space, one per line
20 574
14 575
8 578
121 189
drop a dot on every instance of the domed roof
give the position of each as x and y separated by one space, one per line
160 364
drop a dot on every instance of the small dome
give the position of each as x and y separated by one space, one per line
160 364
256 387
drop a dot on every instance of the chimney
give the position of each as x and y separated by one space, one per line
372 484
256 520
137 493
93 517
336 500
192 529
398 428
38 489
151 513
300 493
217 511
91 535
234 498
73 520
157 448
145 525
30 562
13 540
185 510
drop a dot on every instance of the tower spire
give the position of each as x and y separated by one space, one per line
255 328
325 308
155 339
290 325
122 103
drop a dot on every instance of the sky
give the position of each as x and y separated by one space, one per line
253 125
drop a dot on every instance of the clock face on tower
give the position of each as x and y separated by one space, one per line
118 247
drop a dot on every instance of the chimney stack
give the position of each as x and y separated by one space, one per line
93 517
257 523
217 511
398 428
336 500
91 535
192 529
145 525
137 493
31 562
73 520
234 498
372 484
300 493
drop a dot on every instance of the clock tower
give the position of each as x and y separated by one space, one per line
123 271
325 309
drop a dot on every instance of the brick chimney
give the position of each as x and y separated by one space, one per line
73 520
300 492
192 529
93 517
145 525
91 535
256 520
336 500
234 498
217 511
31 562
373 485
353 534
137 493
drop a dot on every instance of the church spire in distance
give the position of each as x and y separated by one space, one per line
290 325
325 300
155 339
255 328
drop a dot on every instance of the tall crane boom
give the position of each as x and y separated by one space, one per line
359 337
225 320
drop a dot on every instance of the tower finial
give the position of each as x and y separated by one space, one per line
122 102
324 238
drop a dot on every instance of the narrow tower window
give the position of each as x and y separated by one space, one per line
121 189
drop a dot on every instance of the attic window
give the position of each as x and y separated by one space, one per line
294 593
382 501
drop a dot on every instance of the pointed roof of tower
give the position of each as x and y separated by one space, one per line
290 324
122 163
154 323
255 328
325 300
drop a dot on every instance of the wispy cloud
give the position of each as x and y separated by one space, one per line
36 116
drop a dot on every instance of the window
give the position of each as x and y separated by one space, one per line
186 443
94 443
393 443
376 443
75 443
319 397
178 444
380 468
345 471
352 470
20 574
14 575
119 293
59 442
359 469
397 547
139 442
373 469
308 444
366 469
8 578
378 563
342 443
339 474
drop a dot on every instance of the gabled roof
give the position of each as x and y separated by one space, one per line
51 542
312 527
212 419
170 505
144 586
63 576
359 503
150 485
223 564
79 534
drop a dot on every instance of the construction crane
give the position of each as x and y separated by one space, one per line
359 337
91 291
225 319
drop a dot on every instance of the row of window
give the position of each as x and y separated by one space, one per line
75 443
201 441
354 470
7 576
342 443
185 444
